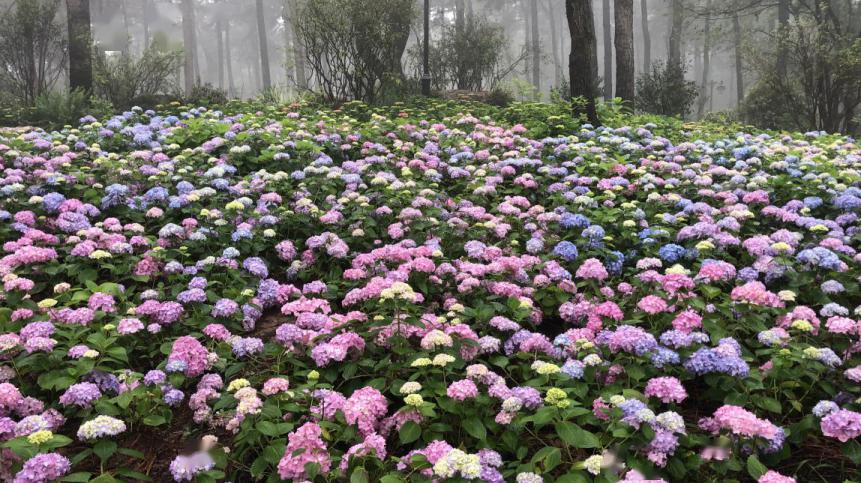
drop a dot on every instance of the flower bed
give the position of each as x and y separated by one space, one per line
418 293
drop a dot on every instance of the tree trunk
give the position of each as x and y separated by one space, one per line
264 47
219 43
231 87
739 77
647 38
593 61
707 45
581 26
189 46
536 50
145 21
459 27
459 15
557 66
298 48
675 47
527 45
127 45
624 43
80 49
289 71
253 64
608 51
782 23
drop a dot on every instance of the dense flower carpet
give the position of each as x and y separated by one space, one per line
426 294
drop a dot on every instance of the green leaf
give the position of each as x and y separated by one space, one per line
104 478
852 450
579 477
133 453
105 449
409 432
755 468
259 466
392 478
154 420
134 475
80 477
475 428
359 475
769 404
576 436
268 428
552 460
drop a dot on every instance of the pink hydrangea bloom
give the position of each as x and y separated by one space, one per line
772 476
462 390
189 351
592 269
307 442
667 389
652 304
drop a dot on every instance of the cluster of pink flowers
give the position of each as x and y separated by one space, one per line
304 446
667 389
739 421
462 390
188 356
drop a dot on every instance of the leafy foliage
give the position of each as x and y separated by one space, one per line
126 80
665 91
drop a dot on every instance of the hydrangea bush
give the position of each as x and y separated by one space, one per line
427 292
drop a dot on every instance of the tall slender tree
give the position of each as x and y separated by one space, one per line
675 44
623 11
608 52
459 29
80 44
145 18
554 44
289 67
581 27
527 44
298 48
536 49
228 59
189 44
782 23
459 16
739 64
647 38
263 47
219 44
707 42
127 42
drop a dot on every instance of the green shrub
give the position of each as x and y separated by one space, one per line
206 95
665 91
127 81
61 107
499 96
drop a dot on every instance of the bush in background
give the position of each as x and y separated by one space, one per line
665 91
126 80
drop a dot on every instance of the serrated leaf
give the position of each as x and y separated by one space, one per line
755 468
576 436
